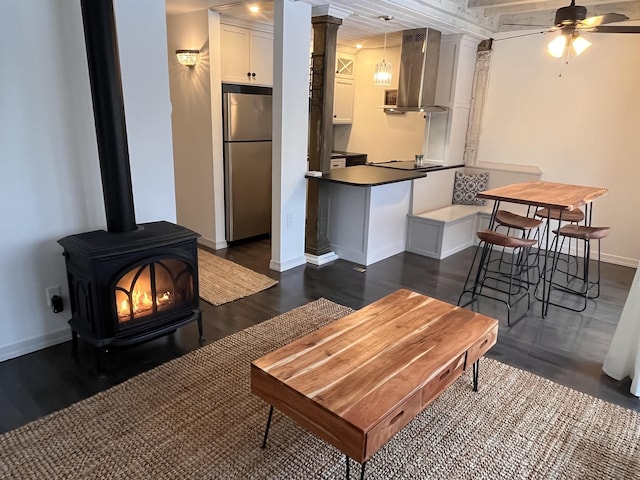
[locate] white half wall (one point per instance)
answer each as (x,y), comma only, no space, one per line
(579,128)
(50,184)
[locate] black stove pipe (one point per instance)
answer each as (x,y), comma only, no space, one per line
(108,111)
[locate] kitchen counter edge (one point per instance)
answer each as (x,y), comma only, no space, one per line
(368,176)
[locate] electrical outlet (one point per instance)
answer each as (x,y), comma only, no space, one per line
(51,291)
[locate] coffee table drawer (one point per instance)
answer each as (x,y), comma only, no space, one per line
(392,424)
(440,382)
(481,347)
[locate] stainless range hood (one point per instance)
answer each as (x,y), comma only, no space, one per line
(419,71)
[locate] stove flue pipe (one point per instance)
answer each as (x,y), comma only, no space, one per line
(108,111)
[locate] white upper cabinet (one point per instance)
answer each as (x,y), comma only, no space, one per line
(246,56)
(344,88)
(345,64)
(343,101)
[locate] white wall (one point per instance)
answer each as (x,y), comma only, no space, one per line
(397,137)
(580,128)
(290,120)
(192,124)
(142,38)
(50,182)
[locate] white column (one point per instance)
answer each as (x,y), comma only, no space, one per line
(479,96)
(291,42)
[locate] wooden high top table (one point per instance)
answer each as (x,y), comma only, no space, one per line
(551,195)
(359,380)
(545,194)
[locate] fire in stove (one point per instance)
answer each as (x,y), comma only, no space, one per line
(141,303)
(153,288)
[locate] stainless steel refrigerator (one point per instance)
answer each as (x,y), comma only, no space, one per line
(247,160)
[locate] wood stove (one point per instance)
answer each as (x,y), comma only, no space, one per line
(129,287)
(132,282)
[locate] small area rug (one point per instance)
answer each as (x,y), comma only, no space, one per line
(222,281)
(194,417)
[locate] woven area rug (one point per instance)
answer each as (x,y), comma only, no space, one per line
(222,281)
(194,417)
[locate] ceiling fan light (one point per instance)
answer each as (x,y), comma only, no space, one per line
(580,44)
(557,45)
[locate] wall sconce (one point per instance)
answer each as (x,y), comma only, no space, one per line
(188,58)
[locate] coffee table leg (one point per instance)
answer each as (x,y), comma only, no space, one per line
(266,430)
(361,468)
(476,371)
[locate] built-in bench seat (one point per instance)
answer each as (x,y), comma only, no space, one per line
(437,229)
(447,230)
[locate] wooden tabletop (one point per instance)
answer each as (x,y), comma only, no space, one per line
(545,194)
(342,380)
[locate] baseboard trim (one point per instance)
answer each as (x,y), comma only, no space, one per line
(211,244)
(321,259)
(616,260)
(289,264)
(33,344)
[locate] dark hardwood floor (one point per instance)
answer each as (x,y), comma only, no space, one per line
(566,347)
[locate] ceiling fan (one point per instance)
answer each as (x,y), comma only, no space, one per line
(574,17)
(572,20)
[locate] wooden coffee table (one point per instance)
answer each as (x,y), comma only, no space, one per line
(359,380)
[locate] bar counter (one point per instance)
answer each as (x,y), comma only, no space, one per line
(368,209)
(368,176)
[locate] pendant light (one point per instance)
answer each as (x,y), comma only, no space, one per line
(382,74)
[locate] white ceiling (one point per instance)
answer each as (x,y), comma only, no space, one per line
(481,18)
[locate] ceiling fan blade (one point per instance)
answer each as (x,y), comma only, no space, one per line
(601,20)
(525,25)
(521,35)
(616,29)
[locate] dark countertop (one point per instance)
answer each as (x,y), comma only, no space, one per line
(351,158)
(411,166)
(340,154)
(368,176)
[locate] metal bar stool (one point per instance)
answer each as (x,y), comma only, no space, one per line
(517,222)
(510,288)
(570,216)
(585,234)
(527,226)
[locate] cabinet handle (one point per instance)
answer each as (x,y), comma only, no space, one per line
(335,116)
(249,74)
(253,74)
(396,418)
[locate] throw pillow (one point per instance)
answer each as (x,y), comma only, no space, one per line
(466,186)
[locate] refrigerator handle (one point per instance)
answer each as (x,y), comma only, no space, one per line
(225,117)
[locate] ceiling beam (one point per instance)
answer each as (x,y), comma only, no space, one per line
(496,3)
